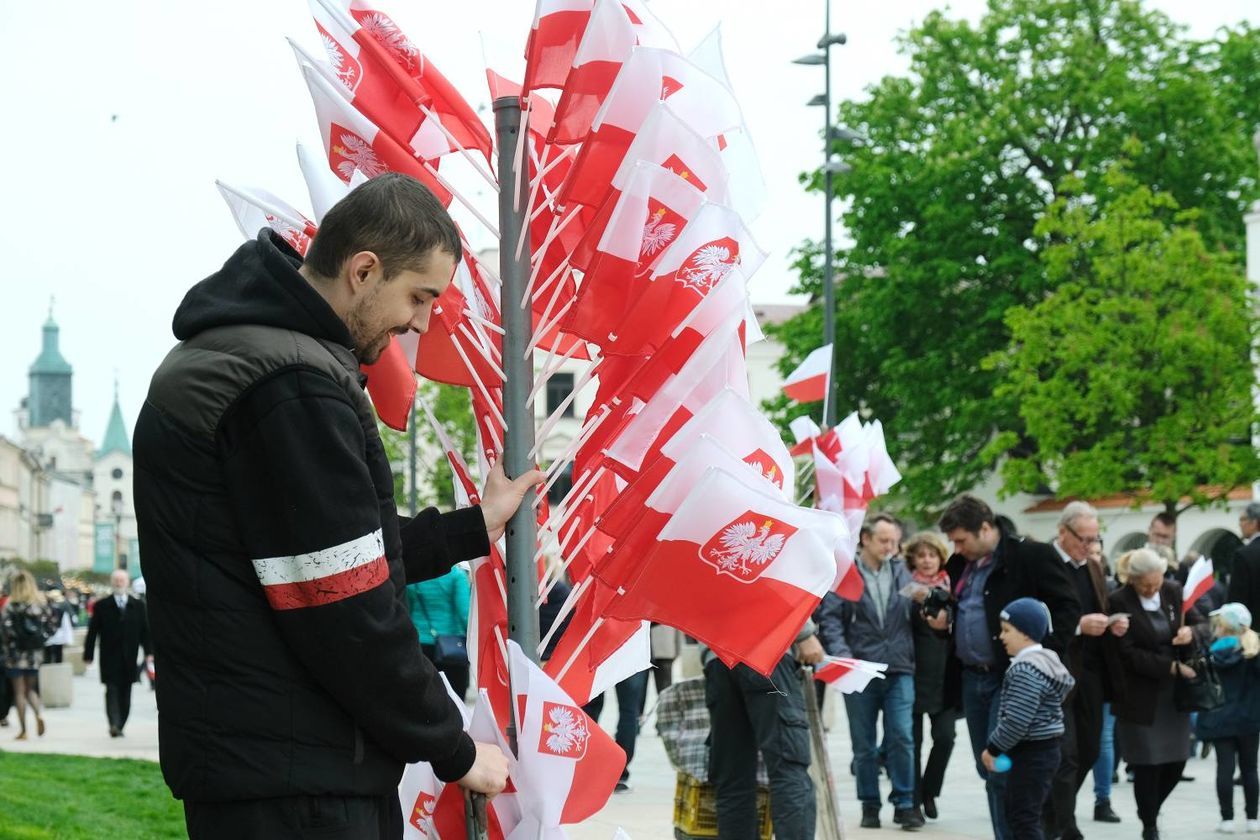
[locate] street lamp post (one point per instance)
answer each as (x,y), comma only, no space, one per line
(830,167)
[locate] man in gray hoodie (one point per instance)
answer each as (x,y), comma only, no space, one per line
(1030,716)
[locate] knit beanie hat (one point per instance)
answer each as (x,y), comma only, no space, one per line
(1029,616)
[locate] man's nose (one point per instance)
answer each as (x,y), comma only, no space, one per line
(420,323)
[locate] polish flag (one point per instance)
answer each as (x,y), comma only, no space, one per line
(567,766)
(324,576)
(706,250)
(716,364)
(882,473)
(649,76)
(595,654)
(636,519)
(849,676)
(553,41)
(808,383)
(503,812)
(1198,582)
(652,212)
(420,790)
(606,44)
(254,209)
(737,568)
(324,188)
(734,423)
(452,351)
(352,141)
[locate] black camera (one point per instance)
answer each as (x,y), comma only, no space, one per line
(937,599)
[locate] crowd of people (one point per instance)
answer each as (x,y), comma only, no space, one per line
(1061,666)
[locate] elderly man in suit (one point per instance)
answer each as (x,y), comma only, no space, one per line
(119,621)
(1244,579)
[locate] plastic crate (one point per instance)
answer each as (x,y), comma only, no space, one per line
(695,811)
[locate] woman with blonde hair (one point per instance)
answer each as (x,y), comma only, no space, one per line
(26,623)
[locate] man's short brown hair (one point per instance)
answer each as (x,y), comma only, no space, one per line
(967,512)
(392,215)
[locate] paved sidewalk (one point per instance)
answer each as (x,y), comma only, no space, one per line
(646,812)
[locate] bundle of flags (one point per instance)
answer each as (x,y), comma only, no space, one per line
(642,184)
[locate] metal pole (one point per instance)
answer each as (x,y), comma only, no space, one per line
(522,584)
(829,290)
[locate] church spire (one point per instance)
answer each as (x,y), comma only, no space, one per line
(116,432)
(50,379)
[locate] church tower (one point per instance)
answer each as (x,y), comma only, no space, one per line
(50,378)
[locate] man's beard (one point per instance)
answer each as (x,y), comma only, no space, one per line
(368,345)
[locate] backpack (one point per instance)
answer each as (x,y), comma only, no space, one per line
(31,630)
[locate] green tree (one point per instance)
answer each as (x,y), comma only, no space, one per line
(964,156)
(452,408)
(1135,375)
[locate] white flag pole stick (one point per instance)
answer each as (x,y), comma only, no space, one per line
(567,607)
(480,386)
(432,170)
(556,415)
(488,356)
(577,491)
(533,190)
(472,159)
(518,157)
(590,634)
(549,371)
(485,347)
(536,261)
(564,567)
(488,324)
(546,328)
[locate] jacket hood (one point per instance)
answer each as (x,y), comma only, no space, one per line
(259,285)
(1047,662)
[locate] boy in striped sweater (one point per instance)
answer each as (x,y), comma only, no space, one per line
(1030,715)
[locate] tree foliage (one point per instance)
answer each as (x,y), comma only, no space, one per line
(964,157)
(1135,375)
(452,408)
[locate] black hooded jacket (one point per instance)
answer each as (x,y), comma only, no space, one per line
(275,558)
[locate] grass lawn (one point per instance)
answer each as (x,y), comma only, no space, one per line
(66,797)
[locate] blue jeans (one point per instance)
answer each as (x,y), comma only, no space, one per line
(894,696)
(980,707)
(1105,766)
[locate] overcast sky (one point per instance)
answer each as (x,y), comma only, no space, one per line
(120,115)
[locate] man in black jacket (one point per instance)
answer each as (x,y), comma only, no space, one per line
(292,689)
(988,571)
(119,621)
(1244,577)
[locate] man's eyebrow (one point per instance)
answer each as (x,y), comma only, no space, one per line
(431,291)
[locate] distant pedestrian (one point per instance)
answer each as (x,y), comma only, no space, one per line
(119,621)
(1234,728)
(439,611)
(64,633)
(26,622)
(1030,715)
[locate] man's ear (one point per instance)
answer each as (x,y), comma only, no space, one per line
(360,269)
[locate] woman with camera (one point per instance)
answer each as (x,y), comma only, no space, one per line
(925,557)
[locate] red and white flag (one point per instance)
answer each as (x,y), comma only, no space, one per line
(254,209)
(1198,582)
(553,41)
(391,384)
(810,380)
(648,77)
(736,568)
(606,43)
(849,676)
(595,654)
(566,766)
(734,423)
(352,142)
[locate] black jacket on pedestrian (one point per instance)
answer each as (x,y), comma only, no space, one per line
(275,558)
(1024,569)
(1244,579)
(1142,662)
(122,634)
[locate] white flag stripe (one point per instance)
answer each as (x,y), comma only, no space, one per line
(326,562)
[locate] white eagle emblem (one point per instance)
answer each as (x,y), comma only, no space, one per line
(385,32)
(743,549)
(346,68)
(351,152)
(564,731)
(657,234)
(296,238)
(706,267)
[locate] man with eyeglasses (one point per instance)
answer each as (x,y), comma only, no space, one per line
(1078,534)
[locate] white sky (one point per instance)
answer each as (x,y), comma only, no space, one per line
(120,115)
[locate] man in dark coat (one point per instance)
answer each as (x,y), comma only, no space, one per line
(123,627)
(1244,579)
(292,691)
(989,570)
